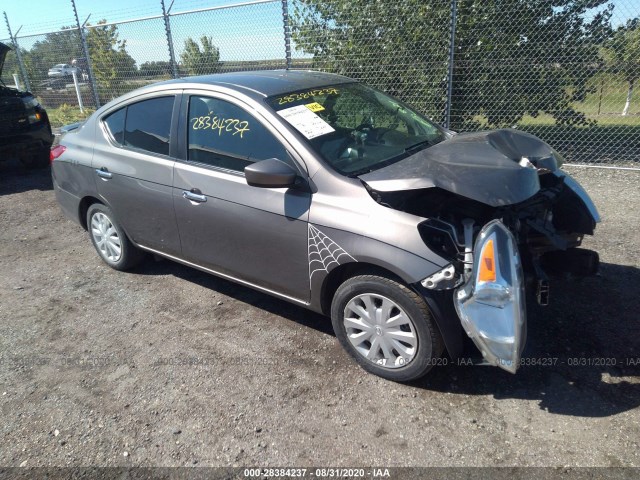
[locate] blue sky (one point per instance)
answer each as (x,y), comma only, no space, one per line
(244,33)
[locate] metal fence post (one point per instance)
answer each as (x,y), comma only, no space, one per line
(167,28)
(85,49)
(452,46)
(14,40)
(287,32)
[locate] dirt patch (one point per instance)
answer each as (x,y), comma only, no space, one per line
(175,367)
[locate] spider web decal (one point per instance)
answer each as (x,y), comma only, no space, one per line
(324,252)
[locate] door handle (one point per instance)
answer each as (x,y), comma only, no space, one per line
(104,173)
(194,197)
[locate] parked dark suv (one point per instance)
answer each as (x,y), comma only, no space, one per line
(25,131)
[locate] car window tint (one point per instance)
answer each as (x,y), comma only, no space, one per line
(226,136)
(148,125)
(115,125)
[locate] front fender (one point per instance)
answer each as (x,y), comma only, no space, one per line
(329,248)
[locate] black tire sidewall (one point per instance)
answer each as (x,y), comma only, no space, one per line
(412,305)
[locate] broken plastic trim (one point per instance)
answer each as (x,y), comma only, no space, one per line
(493,312)
(444,279)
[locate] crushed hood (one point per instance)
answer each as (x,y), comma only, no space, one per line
(498,167)
(3,54)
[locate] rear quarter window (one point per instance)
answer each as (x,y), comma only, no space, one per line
(115,125)
(144,125)
(148,125)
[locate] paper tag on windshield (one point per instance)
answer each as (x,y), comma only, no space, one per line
(314,107)
(305,121)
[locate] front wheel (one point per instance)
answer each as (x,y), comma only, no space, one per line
(386,327)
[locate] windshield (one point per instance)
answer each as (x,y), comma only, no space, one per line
(356,129)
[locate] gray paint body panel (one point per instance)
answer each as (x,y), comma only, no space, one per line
(139,192)
(256,234)
(483,166)
(286,241)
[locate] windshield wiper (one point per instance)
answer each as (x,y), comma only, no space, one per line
(362,171)
(416,146)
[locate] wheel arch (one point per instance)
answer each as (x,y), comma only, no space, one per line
(341,273)
(83,208)
(440,303)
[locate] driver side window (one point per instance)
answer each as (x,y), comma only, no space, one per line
(226,136)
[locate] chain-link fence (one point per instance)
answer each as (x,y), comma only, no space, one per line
(562,70)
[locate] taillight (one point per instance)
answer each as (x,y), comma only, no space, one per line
(56,152)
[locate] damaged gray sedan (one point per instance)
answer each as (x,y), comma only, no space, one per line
(329,194)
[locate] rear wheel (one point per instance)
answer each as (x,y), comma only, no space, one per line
(386,327)
(109,239)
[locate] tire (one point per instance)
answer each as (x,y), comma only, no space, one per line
(106,233)
(38,159)
(408,319)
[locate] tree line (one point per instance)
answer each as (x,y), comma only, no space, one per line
(512,57)
(111,64)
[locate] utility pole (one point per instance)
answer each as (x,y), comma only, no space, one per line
(85,49)
(287,32)
(452,47)
(167,29)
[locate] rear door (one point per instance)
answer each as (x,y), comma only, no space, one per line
(256,235)
(133,162)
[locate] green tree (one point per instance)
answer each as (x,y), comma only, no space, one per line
(397,46)
(54,48)
(512,57)
(111,63)
(156,69)
(199,62)
(621,56)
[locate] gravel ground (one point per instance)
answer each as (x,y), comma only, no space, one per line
(168,366)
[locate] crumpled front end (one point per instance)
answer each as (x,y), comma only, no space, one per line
(491,303)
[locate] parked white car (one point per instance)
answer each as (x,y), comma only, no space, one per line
(61,70)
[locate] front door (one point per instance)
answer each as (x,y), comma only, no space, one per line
(256,235)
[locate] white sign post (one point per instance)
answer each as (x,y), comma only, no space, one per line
(75,82)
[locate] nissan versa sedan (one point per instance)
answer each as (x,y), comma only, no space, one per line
(324,192)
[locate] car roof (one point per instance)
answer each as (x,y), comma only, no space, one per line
(264,82)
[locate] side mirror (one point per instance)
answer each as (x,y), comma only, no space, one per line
(270,173)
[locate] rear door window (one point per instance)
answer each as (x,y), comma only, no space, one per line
(148,125)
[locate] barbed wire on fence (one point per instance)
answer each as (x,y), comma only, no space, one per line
(566,72)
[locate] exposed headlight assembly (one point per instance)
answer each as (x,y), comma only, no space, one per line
(491,304)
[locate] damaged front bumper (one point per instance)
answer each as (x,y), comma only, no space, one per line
(491,303)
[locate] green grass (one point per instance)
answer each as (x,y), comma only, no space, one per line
(66,114)
(609,97)
(595,144)
(613,139)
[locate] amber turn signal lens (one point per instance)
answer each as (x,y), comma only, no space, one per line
(487,263)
